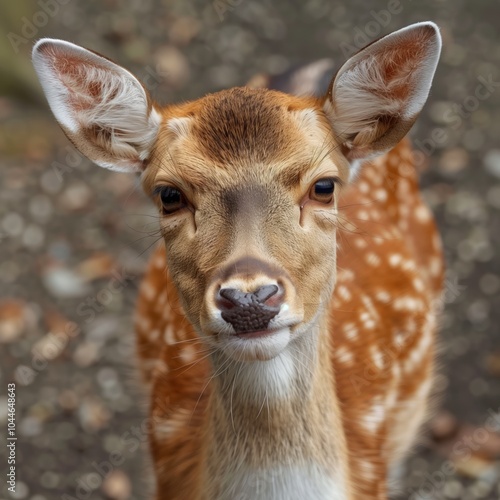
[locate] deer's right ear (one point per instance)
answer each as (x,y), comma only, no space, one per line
(379,92)
(102,108)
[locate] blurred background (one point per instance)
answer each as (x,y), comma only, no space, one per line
(74,238)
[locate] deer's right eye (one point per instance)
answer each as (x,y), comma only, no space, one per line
(323,190)
(172,199)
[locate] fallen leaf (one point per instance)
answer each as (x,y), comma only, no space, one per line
(99,265)
(12,320)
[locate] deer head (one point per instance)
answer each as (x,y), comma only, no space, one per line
(246,180)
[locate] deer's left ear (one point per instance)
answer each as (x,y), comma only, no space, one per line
(377,94)
(104,109)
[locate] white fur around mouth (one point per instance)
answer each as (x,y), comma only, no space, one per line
(256,346)
(256,334)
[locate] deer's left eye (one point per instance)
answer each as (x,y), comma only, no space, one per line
(323,190)
(172,199)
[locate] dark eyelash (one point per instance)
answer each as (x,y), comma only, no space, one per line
(157,190)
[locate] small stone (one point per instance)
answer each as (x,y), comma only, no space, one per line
(76,197)
(480,489)
(12,224)
(68,400)
(30,426)
(103,328)
(51,182)
(439,111)
(112,443)
(87,353)
(33,237)
(93,414)
(183,30)
(444,426)
(473,140)
(492,162)
(107,378)
(22,490)
(454,160)
(478,311)
(137,50)
(120,184)
(41,208)
(453,489)
(171,67)
(24,375)
(50,346)
(64,283)
(50,480)
(117,485)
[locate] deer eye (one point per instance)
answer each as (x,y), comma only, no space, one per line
(323,190)
(172,199)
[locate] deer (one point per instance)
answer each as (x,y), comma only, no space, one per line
(286,325)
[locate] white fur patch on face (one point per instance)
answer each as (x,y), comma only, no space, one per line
(283,483)
(179,126)
(319,138)
(307,120)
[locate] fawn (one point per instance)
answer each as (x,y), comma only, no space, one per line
(286,327)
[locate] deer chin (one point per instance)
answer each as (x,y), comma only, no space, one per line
(263,345)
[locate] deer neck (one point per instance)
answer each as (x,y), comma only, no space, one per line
(274,427)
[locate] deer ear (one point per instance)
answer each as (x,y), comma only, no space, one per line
(102,108)
(377,94)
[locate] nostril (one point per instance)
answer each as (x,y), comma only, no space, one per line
(226,299)
(224,304)
(265,292)
(271,295)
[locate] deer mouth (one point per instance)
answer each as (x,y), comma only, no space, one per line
(261,345)
(257,334)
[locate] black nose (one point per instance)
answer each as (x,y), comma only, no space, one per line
(248,312)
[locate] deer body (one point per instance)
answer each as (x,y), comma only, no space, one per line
(286,328)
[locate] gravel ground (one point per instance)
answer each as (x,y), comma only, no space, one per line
(74,238)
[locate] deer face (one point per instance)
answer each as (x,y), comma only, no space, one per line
(246,181)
